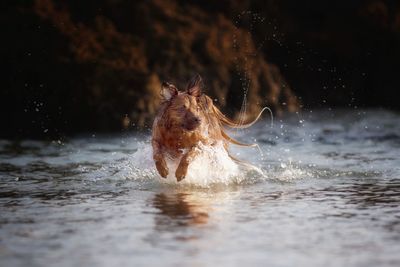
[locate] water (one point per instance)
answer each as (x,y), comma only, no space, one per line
(328,194)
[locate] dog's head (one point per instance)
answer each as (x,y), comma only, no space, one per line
(185,110)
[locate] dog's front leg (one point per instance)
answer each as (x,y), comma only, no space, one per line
(159,159)
(181,171)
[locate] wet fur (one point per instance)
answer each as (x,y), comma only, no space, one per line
(184,120)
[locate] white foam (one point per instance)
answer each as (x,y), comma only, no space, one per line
(212,166)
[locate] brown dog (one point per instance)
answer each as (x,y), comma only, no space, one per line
(184,120)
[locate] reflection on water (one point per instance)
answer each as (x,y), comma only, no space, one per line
(179,210)
(175,216)
(329,196)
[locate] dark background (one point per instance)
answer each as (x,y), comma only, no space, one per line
(95,66)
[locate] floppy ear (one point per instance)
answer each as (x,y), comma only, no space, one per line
(168,91)
(195,86)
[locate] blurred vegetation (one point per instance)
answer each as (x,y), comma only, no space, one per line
(79,66)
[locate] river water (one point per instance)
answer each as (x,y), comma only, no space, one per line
(326,192)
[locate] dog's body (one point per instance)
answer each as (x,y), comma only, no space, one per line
(184,120)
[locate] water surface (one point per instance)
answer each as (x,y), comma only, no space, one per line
(329,194)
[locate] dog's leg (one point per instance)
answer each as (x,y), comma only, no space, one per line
(159,159)
(181,171)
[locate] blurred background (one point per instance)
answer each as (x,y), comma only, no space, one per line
(71,67)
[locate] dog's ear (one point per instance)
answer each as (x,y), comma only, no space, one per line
(195,86)
(168,91)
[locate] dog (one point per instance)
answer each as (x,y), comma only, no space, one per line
(184,120)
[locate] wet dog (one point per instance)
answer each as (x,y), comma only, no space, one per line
(184,120)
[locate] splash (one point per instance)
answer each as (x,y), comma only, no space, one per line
(250,20)
(212,167)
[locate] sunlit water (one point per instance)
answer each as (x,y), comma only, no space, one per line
(326,193)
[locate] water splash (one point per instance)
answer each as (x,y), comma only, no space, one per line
(250,20)
(212,167)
